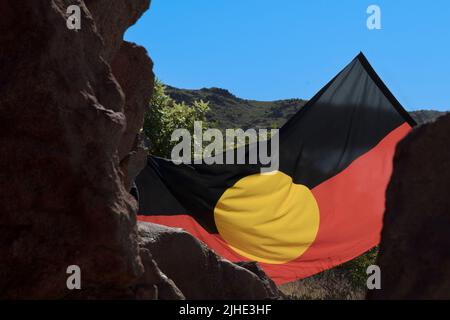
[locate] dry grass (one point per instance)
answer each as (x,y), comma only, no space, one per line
(345,282)
(332,284)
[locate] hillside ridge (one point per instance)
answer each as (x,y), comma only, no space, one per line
(230,111)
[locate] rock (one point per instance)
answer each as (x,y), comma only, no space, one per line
(415,247)
(113,17)
(268,283)
(72,105)
(132,164)
(154,285)
(203,274)
(67,124)
(135,84)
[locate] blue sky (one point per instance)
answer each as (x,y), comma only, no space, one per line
(267,50)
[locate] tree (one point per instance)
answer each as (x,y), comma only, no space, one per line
(165,115)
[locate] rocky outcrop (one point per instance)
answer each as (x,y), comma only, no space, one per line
(198,272)
(136,86)
(415,248)
(70,106)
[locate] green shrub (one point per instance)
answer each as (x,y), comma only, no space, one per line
(357,267)
(165,115)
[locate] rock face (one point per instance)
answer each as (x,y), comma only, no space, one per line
(198,272)
(71,106)
(68,121)
(136,86)
(415,247)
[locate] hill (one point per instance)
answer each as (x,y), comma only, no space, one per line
(229,111)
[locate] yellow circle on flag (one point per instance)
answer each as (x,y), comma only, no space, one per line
(268,218)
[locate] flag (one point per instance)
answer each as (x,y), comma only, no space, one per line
(322,207)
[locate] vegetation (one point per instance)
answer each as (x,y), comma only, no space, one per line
(165,115)
(344,282)
(357,267)
(228,111)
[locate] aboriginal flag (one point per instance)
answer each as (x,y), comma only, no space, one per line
(324,206)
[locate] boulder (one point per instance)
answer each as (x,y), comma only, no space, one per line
(198,272)
(415,247)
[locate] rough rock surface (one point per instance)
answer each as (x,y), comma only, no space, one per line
(71,106)
(154,284)
(66,125)
(198,272)
(136,86)
(415,248)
